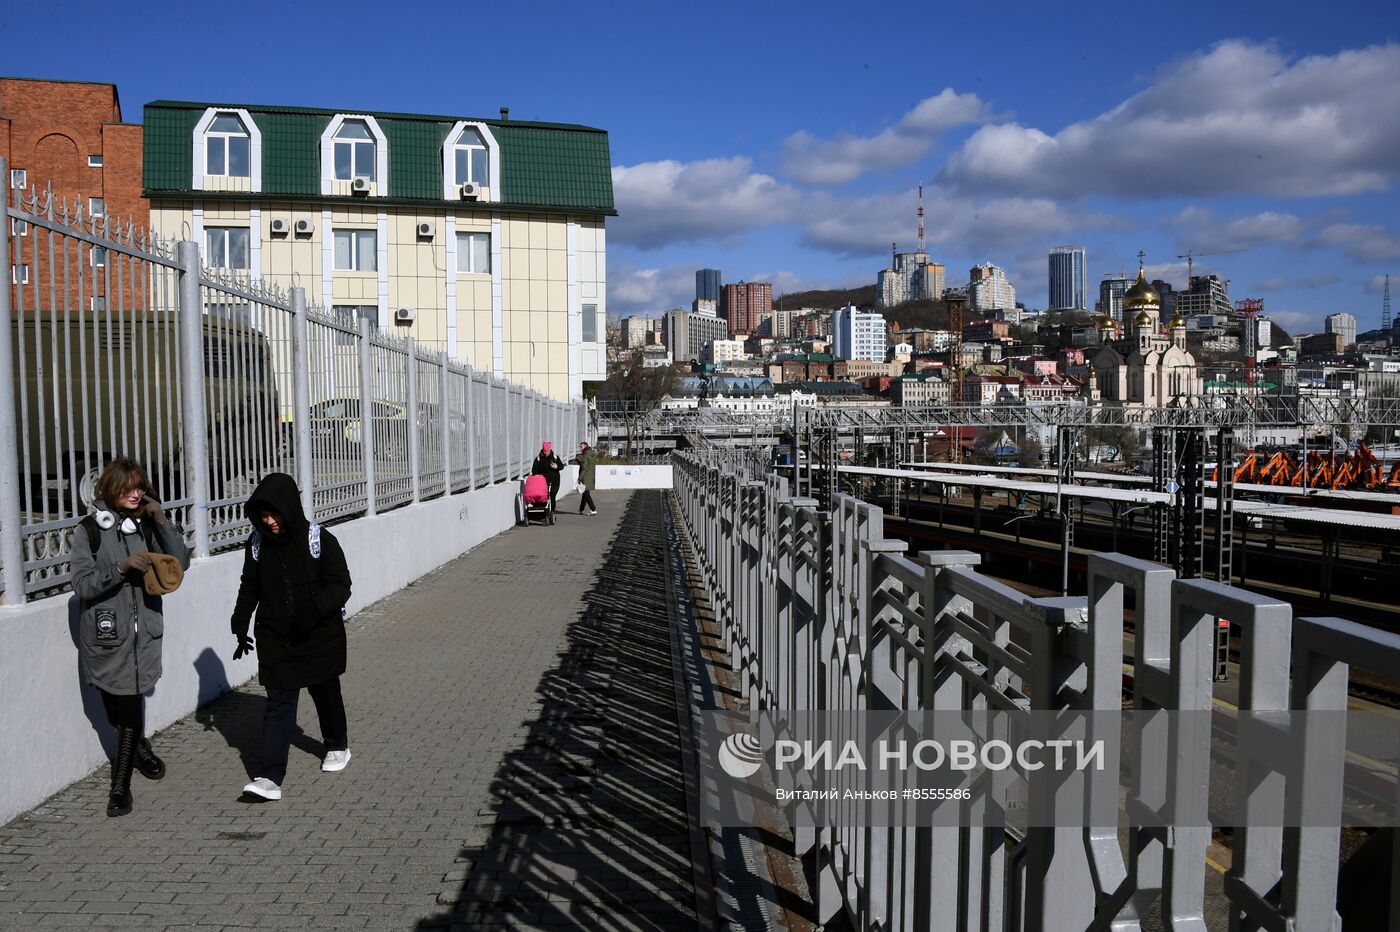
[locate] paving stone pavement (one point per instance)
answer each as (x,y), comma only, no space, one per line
(515,764)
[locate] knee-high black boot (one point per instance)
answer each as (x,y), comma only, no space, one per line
(119,802)
(151,766)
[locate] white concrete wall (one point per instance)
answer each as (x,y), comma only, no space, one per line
(53,729)
(619,476)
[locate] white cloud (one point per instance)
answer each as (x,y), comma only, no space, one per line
(649,291)
(866,226)
(1238,118)
(670,202)
(1295,322)
(1284,283)
(1201,232)
(844,156)
(1376,285)
(1362,242)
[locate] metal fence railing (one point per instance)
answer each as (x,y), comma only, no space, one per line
(821,612)
(113,343)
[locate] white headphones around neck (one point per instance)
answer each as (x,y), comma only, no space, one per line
(105,520)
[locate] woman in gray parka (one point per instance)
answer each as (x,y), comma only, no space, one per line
(120,625)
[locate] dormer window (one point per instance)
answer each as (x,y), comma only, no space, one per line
(227,151)
(471,163)
(472,158)
(354,151)
(227,148)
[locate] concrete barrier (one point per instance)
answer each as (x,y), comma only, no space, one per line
(54,731)
(626,476)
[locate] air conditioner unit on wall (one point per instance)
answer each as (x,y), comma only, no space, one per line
(425,230)
(360,186)
(279,226)
(471,191)
(405,315)
(305,228)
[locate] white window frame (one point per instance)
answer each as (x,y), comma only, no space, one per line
(355,233)
(381,152)
(93,212)
(94,253)
(19,274)
(201,154)
(451,183)
(19,227)
(228,252)
(19,179)
(94,161)
(226,139)
(464,256)
(353,144)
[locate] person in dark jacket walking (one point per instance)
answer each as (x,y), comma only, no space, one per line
(295,576)
(548,464)
(120,625)
(587,463)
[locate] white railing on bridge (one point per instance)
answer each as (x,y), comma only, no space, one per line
(821,612)
(116,343)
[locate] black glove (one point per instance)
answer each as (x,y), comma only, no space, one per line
(245,647)
(151,509)
(136,563)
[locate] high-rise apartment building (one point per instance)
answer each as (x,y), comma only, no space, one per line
(858,335)
(988,288)
(1342,324)
(70,135)
(912,277)
(1209,294)
(707,284)
(635,330)
(1111,291)
(1067,279)
(744,303)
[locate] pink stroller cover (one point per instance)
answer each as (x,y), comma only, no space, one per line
(536,490)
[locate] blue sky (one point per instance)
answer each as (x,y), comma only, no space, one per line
(784,141)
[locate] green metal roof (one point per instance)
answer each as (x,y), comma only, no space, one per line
(548,166)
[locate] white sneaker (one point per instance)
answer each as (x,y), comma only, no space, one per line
(263,787)
(335,761)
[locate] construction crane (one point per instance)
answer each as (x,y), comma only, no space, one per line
(1191,255)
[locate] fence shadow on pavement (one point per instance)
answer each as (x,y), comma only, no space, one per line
(588,817)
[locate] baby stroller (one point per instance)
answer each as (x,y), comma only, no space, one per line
(537,500)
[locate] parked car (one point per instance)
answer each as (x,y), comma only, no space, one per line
(337,428)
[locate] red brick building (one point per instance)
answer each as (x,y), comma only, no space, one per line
(743,303)
(69,134)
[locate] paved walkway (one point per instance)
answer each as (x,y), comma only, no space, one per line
(513,724)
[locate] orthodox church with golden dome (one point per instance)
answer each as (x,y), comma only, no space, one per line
(1150,367)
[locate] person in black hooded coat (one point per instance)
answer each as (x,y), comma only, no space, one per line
(298,594)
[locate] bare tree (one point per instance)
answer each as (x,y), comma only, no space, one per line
(638,390)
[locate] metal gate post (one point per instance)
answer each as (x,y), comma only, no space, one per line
(11,534)
(445,412)
(366,404)
(413,464)
(195,434)
(471,429)
(490,429)
(301,402)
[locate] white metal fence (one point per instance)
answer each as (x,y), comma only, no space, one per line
(115,343)
(821,612)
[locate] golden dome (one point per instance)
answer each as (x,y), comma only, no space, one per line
(1144,319)
(1106,322)
(1141,294)
(1178,320)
